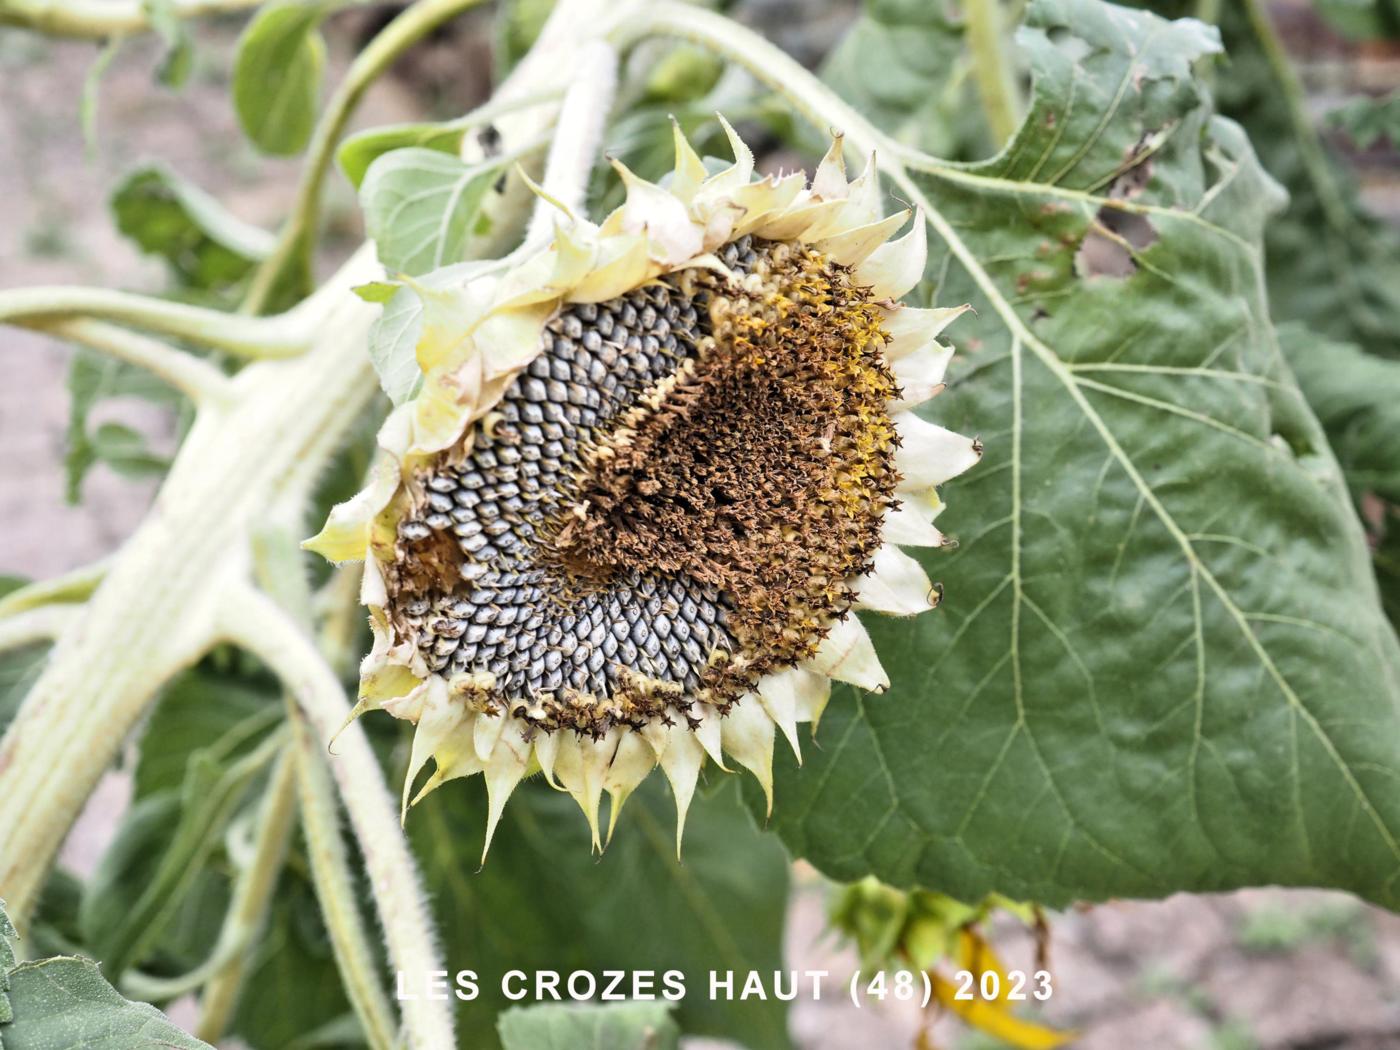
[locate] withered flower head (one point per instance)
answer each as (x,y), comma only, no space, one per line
(647,478)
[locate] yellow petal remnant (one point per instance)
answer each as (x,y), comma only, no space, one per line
(650,472)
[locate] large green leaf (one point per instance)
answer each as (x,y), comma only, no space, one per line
(543,902)
(1161,664)
(619,1026)
(64,1003)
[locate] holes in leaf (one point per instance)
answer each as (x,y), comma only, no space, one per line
(1108,248)
(1117,234)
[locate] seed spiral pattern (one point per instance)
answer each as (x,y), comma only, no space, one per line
(586,558)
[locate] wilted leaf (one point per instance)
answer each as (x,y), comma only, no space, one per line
(422,206)
(543,902)
(617,1026)
(206,246)
(1160,664)
(277,75)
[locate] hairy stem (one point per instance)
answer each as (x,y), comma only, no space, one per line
(251,337)
(252,897)
(197,379)
(279,570)
(294,242)
(43,624)
(252,620)
(155,611)
(575,147)
(335,889)
(991,67)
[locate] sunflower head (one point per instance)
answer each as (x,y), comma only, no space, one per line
(647,477)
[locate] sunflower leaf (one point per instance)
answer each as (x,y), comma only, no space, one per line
(422,206)
(1161,663)
(205,246)
(277,75)
(65,1003)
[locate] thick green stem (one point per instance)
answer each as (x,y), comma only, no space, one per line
(279,570)
(991,67)
(298,233)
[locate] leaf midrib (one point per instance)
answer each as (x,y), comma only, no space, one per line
(1058,369)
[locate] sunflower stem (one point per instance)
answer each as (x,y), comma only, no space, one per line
(249,337)
(991,65)
(574,150)
(43,624)
(75,586)
(279,570)
(255,622)
(283,422)
(252,897)
(197,379)
(335,889)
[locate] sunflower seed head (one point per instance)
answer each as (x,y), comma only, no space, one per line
(671,499)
